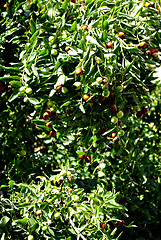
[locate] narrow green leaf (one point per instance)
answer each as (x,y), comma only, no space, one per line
(34,101)
(11,184)
(106,25)
(89,1)
(15,83)
(66,104)
(22,221)
(4,221)
(32,26)
(70,212)
(34,36)
(80,152)
(9,78)
(57,65)
(34,227)
(65,4)
(109,131)
(11,69)
(34,70)
(74,26)
(13,96)
(82,108)
(3,237)
(104,35)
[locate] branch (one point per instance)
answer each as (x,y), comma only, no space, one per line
(76,230)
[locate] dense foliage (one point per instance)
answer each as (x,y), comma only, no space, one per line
(80,119)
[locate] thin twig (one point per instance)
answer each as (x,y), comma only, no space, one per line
(77,231)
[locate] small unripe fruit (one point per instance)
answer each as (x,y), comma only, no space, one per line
(28,90)
(79,71)
(22,89)
(109,45)
(77,85)
(20,136)
(57,215)
(99,79)
(27,45)
(51,39)
(44,228)
(114,120)
(119,89)
(105,87)
(64,90)
(121,34)
(38,212)
(106,93)
(21,94)
(30,237)
(22,152)
(85,97)
(119,114)
(88,159)
(25,99)
(54,45)
(50,103)
(54,52)
(75,198)
(52,133)
(84,27)
(121,132)
(46,115)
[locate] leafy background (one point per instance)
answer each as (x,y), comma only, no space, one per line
(48,191)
